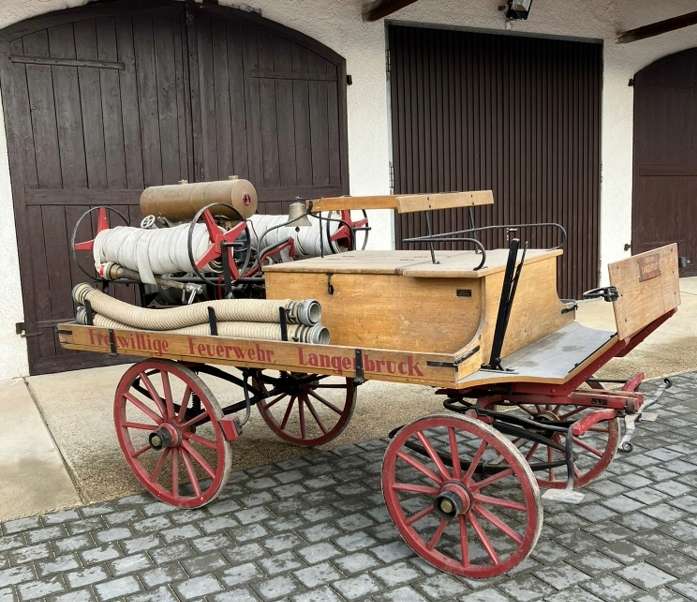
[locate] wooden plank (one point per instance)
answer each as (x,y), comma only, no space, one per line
(318,133)
(222,115)
(82,196)
(382,364)
(303,141)
(269,134)
(649,287)
(67,62)
(236,94)
(406,203)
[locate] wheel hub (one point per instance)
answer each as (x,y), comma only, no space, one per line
(453,500)
(165,436)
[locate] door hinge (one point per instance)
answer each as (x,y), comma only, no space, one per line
(20,329)
(391,177)
(388,61)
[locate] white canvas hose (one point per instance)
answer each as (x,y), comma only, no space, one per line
(150,252)
(299,333)
(307,240)
(307,312)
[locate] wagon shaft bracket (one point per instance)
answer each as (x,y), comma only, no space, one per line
(630,420)
(359,379)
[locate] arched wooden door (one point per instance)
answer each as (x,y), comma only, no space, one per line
(664,200)
(104,100)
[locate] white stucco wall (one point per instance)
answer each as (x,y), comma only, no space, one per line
(338,24)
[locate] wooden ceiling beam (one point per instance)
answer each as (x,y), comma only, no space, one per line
(383,8)
(655,29)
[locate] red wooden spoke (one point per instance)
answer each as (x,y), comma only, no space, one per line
(475,461)
(572,413)
(479,485)
(195,420)
(175,472)
(200,440)
(454,454)
(532,450)
(275,401)
(154,395)
(438,533)
(417,516)
(184,404)
(413,488)
(496,501)
(142,450)
(434,456)
(289,408)
(484,539)
(139,426)
(549,461)
(414,463)
(143,408)
(590,448)
(315,415)
(199,459)
(167,390)
(193,479)
(157,469)
(325,402)
(464,543)
(301,415)
(499,524)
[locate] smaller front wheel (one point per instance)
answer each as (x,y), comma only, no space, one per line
(461,495)
(167,424)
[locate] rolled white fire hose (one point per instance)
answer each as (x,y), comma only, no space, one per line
(150,252)
(307,311)
(300,333)
(265,229)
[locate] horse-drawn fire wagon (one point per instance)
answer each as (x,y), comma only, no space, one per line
(305,314)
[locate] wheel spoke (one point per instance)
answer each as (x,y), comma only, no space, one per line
(286,416)
(588,448)
(175,472)
(464,544)
(186,397)
(475,461)
(195,420)
(479,485)
(315,415)
(142,450)
(433,542)
(193,479)
(532,450)
(499,524)
(167,388)
(301,415)
(414,463)
(454,453)
(576,411)
(275,401)
(157,469)
(138,426)
(200,440)
(154,395)
(199,459)
(412,488)
(486,543)
(549,461)
(497,501)
(434,456)
(325,402)
(143,408)
(417,516)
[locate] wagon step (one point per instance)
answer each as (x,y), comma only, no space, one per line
(630,420)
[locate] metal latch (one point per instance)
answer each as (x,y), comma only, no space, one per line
(20,329)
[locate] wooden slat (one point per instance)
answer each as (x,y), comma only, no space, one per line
(407,203)
(649,288)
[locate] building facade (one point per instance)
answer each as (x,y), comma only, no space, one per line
(364,154)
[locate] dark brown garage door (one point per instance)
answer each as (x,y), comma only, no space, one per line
(664,201)
(518,115)
(102,101)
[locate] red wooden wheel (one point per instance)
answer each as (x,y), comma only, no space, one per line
(450,507)
(167,424)
(593,452)
(305,409)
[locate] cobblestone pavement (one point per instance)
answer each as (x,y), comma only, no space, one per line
(315,529)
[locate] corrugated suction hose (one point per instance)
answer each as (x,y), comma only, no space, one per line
(307,312)
(300,333)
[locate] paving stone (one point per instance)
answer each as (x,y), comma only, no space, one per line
(86,576)
(59,564)
(16,574)
(161,594)
(561,575)
(318,552)
(41,588)
(358,540)
(317,575)
(140,544)
(117,587)
(238,594)
(645,575)
(353,588)
(240,574)
(74,543)
(321,594)
(320,532)
(129,564)
(356,563)
(114,534)
(526,587)
(21,524)
(441,587)
(280,563)
(611,587)
(277,587)
(166,573)
(396,574)
(100,554)
(28,553)
(204,564)
(198,586)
